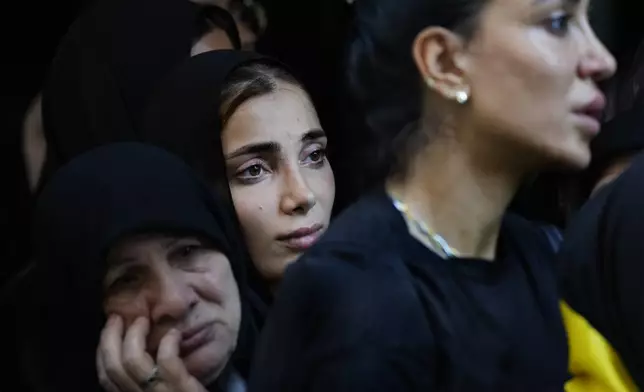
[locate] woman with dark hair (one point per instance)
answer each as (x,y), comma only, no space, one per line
(427,283)
(248,126)
(129,235)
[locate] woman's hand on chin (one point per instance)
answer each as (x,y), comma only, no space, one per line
(123,364)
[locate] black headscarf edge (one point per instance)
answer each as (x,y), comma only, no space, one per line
(59,279)
(183,117)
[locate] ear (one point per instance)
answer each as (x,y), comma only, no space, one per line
(440,58)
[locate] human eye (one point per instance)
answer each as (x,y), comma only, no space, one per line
(127,280)
(252,172)
(315,156)
(558,23)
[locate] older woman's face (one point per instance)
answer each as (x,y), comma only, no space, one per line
(177,283)
(532,68)
(280,179)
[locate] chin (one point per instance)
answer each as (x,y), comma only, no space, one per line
(578,162)
(207,362)
(575,158)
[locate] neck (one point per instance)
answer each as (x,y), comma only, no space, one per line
(460,194)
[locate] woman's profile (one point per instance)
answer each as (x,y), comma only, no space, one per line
(426,283)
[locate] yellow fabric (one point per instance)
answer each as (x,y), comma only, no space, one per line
(594,364)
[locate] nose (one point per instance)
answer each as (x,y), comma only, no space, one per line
(297,197)
(597,62)
(172,298)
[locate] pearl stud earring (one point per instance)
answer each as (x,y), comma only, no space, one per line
(462,97)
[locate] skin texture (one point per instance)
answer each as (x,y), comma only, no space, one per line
(159,290)
(531,71)
(286,182)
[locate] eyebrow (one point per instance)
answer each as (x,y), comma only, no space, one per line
(569,3)
(119,262)
(273,147)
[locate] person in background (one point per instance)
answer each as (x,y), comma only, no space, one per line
(598,267)
(134,251)
(99,80)
(427,283)
(600,260)
(249,127)
(108,64)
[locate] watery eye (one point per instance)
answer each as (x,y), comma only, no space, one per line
(254,171)
(316,156)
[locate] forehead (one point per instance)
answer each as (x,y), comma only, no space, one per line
(520,6)
(135,243)
(283,116)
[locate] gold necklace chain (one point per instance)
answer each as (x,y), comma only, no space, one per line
(435,241)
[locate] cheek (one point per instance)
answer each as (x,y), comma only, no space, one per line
(217,285)
(524,84)
(129,308)
(256,208)
(322,183)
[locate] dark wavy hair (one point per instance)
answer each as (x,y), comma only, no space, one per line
(383,77)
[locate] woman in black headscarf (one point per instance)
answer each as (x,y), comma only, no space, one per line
(249,127)
(128,234)
(109,62)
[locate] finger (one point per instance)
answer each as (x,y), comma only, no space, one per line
(171,366)
(103,379)
(110,351)
(170,363)
(137,362)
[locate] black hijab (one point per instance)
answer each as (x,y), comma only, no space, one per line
(108,64)
(95,200)
(603,269)
(184,118)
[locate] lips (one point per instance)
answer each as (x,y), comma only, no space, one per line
(194,338)
(589,116)
(302,238)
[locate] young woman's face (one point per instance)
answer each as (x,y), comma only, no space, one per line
(177,283)
(532,68)
(280,179)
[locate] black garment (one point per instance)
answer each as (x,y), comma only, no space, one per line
(91,203)
(108,65)
(184,118)
(183,114)
(602,268)
(370,308)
